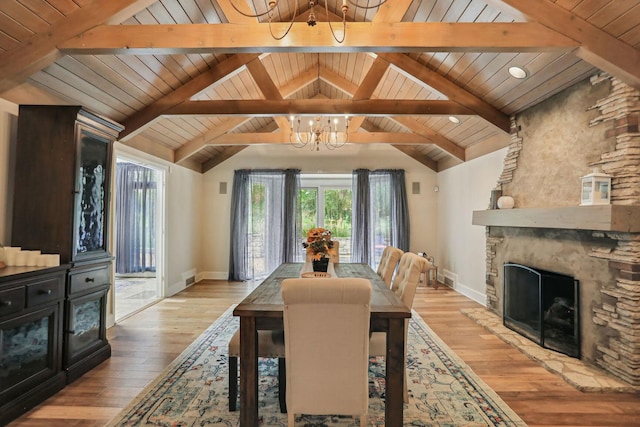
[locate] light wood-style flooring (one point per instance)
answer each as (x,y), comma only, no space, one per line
(144,344)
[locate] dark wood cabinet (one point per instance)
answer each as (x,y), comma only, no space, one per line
(61,206)
(31,307)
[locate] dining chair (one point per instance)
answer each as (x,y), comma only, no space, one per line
(388,263)
(270,345)
(405,283)
(326,329)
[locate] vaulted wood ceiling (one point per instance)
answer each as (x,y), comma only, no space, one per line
(195,82)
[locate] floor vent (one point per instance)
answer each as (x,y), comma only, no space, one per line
(190,280)
(450,279)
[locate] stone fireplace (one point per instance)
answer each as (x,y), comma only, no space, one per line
(593,124)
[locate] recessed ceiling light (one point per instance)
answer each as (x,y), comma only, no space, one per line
(518,72)
(454,119)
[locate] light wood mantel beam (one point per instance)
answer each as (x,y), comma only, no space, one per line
(361,37)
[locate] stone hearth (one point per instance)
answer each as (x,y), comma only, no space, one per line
(576,372)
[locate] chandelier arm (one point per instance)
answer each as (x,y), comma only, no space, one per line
(344,23)
(250,15)
(356,4)
(293,18)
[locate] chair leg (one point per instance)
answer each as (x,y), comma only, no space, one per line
(363,420)
(233,382)
(282,384)
(292,419)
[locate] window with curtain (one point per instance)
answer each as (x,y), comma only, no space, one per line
(265,222)
(136,203)
(380,214)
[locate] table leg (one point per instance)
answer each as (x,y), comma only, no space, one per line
(248,372)
(395,373)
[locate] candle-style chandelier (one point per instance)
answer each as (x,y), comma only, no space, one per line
(273,10)
(332,132)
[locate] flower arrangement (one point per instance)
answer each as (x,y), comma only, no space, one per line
(318,243)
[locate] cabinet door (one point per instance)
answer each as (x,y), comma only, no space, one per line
(85,326)
(92,194)
(29,351)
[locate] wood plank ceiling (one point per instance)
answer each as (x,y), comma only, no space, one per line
(195,82)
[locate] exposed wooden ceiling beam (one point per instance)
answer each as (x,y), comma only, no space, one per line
(443,143)
(596,46)
(196,144)
(267,87)
(371,80)
(418,156)
(227,153)
(261,138)
(361,37)
(40,50)
(137,121)
(369,107)
(449,89)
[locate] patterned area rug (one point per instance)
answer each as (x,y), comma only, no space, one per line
(193,390)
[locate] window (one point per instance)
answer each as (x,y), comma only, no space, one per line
(325,201)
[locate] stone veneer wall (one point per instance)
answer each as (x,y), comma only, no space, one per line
(593,124)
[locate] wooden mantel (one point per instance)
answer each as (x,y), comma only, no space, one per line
(597,218)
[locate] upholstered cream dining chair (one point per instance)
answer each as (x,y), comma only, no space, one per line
(326,328)
(270,345)
(404,285)
(388,263)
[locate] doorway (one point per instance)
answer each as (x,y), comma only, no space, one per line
(138,243)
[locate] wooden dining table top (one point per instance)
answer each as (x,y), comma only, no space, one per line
(266,299)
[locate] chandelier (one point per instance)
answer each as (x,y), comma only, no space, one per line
(273,7)
(333,133)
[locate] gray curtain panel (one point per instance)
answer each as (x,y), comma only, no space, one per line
(380,214)
(264,221)
(136,201)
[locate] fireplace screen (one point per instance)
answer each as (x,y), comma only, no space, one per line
(542,306)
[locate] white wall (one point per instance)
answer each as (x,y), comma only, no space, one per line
(461,245)
(423,213)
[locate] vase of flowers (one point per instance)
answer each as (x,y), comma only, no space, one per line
(317,246)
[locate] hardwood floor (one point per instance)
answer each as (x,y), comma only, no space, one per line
(144,344)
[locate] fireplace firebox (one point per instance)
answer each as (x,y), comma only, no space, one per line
(543,306)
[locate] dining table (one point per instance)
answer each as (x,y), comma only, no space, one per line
(263,308)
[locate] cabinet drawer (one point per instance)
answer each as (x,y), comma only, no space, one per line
(11,300)
(89,279)
(44,291)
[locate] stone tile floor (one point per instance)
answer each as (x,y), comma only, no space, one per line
(133,294)
(577,373)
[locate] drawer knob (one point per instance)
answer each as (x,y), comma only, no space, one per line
(6,303)
(89,279)
(44,291)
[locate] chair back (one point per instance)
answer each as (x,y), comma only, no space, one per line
(388,263)
(410,267)
(326,327)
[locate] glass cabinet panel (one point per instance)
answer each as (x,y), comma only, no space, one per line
(85,327)
(27,351)
(91,215)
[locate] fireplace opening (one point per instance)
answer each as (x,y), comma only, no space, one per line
(542,306)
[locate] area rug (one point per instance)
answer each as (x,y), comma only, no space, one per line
(193,390)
